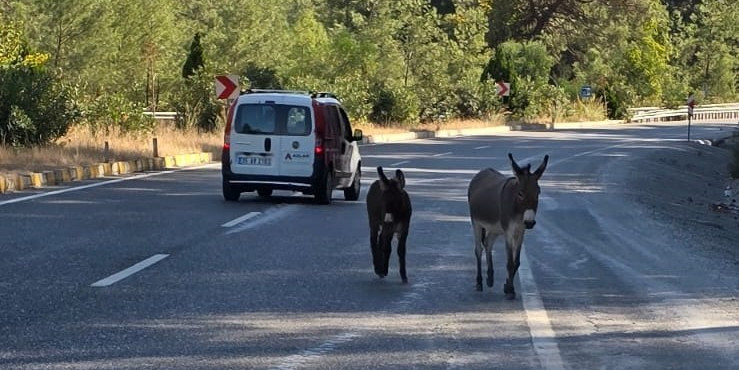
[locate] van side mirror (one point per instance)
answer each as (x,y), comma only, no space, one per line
(357,135)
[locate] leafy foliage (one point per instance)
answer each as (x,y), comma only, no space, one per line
(35,107)
(389,61)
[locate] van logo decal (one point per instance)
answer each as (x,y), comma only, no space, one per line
(296,145)
(297,156)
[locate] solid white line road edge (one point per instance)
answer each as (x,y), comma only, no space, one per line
(83,187)
(112,279)
(542,335)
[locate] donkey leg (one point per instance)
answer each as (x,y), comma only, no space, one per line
(514,261)
(402,236)
(386,246)
(376,254)
(489,243)
(478,231)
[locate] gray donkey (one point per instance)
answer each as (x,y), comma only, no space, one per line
(502,205)
(389,213)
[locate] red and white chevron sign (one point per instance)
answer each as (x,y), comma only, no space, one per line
(227,86)
(503,88)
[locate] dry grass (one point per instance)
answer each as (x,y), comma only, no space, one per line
(588,110)
(81,147)
(374,129)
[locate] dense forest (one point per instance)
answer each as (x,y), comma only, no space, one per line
(101,63)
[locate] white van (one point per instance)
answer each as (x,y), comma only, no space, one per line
(289,140)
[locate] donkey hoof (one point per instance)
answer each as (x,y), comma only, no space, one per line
(478,287)
(405,280)
(508,289)
(381,276)
(490,283)
(510,296)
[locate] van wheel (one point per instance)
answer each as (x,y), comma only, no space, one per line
(324,191)
(352,192)
(230,192)
(264,193)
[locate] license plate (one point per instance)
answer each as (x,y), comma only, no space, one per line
(255,161)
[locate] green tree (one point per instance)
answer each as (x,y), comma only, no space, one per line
(194,60)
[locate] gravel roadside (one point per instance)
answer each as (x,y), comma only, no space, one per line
(683,186)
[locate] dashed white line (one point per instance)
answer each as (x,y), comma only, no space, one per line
(112,279)
(312,354)
(398,163)
(241,219)
(269,215)
(441,154)
(482,147)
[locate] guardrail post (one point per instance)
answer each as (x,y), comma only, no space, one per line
(106,153)
(155,147)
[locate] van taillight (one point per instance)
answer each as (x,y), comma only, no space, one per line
(227,131)
(319,146)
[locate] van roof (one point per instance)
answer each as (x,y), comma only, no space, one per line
(287,96)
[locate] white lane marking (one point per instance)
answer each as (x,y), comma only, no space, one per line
(315,353)
(241,219)
(428,170)
(112,279)
(268,215)
(83,187)
(482,147)
(295,361)
(398,163)
(440,154)
(542,335)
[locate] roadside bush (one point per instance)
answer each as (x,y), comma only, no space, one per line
(618,99)
(115,111)
(393,105)
(593,109)
(196,105)
(35,108)
(554,102)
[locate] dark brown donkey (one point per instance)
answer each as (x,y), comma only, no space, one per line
(389,212)
(502,205)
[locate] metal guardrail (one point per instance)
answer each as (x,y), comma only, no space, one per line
(639,115)
(164,116)
(705,112)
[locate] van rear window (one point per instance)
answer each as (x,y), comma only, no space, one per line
(273,119)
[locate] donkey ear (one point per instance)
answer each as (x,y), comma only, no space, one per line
(384,182)
(400,177)
(516,169)
(543,166)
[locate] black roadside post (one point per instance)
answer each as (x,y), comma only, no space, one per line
(691,104)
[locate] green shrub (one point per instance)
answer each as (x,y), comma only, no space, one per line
(393,105)
(196,105)
(116,111)
(35,108)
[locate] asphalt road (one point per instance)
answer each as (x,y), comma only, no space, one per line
(283,283)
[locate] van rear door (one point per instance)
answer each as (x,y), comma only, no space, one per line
(255,140)
(297,146)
